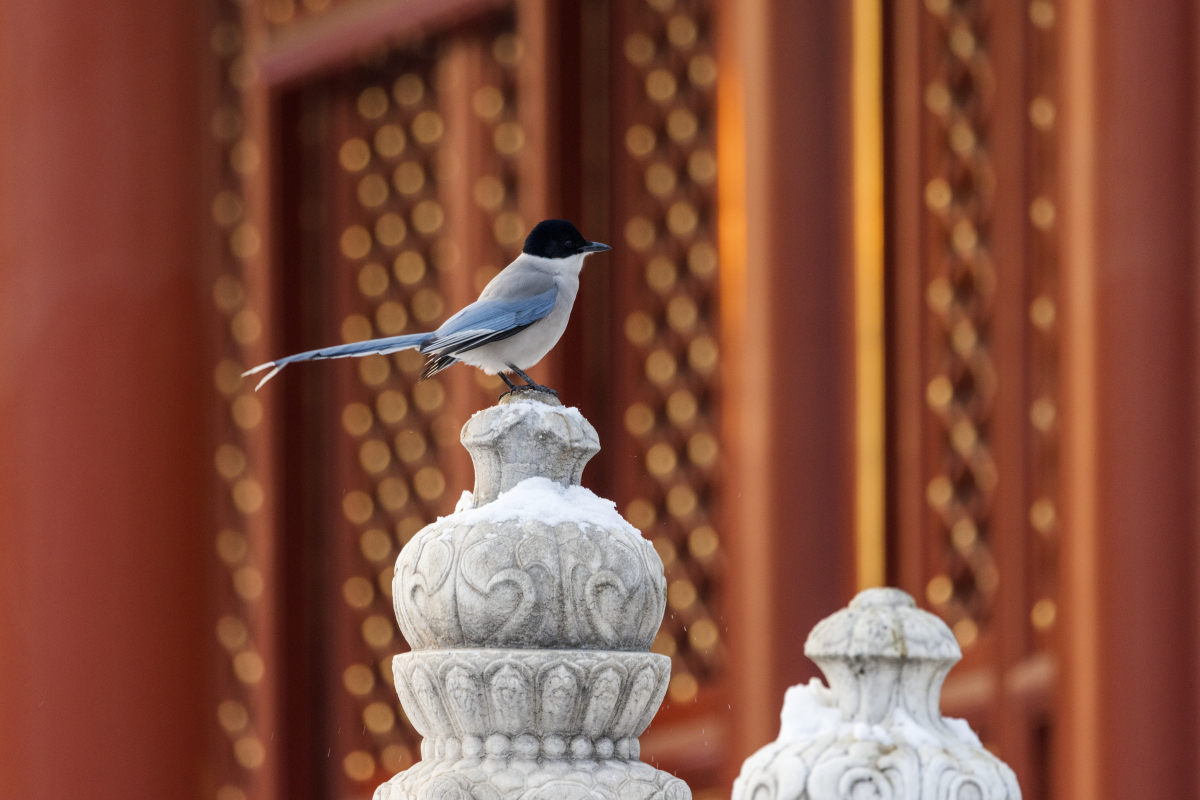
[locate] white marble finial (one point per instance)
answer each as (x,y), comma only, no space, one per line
(530,612)
(876,731)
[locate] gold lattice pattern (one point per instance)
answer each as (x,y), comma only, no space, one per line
(399,250)
(241,695)
(673,324)
(1043,360)
(960,297)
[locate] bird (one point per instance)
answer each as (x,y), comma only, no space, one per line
(519,316)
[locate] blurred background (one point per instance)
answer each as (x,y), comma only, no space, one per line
(901,292)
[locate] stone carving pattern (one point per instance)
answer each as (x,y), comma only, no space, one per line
(530,675)
(600,700)
(533,586)
(876,731)
(527,583)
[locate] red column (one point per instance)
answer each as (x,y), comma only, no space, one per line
(787,311)
(104,461)
(1130,561)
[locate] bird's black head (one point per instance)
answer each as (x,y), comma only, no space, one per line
(558,238)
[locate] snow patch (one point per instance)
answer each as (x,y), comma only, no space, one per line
(808,713)
(548,502)
(910,731)
(516,410)
(962,730)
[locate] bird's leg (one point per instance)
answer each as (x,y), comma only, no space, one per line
(532,384)
(528,381)
(511,387)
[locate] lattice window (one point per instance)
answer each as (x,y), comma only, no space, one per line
(668,310)
(411,136)
(241,627)
(960,293)
(1042,272)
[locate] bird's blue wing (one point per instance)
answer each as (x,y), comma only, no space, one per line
(479,323)
(489,320)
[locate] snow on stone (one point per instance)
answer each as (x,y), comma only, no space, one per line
(808,713)
(546,501)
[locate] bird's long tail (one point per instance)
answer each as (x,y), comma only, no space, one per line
(391,344)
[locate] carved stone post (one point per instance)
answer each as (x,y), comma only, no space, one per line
(876,732)
(530,612)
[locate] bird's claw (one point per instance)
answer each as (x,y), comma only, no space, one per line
(537,387)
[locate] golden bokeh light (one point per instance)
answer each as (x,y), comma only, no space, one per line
(232,633)
(374,369)
(248,495)
(359,765)
(372,102)
(428,395)
(429,483)
(508,138)
(372,279)
(391,406)
(248,583)
(640,140)
(232,716)
(427,127)
(393,493)
(966,631)
(355,328)
(248,666)
(703,542)
(358,506)
(641,514)
(232,547)
(665,549)
(375,544)
(681,594)
(358,592)
(379,717)
(377,631)
(358,679)
(354,155)
(639,419)
(408,89)
(682,31)
(249,752)
(372,191)
(390,141)
(939,590)
(664,644)
(703,634)
(488,102)
(639,49)
(682,500)
(683,688)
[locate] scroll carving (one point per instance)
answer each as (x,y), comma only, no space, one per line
(876,731)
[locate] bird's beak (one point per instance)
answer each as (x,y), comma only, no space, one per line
(595,247)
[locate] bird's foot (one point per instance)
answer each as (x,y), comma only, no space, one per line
(535,387)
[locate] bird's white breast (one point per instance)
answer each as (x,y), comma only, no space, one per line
(531,345)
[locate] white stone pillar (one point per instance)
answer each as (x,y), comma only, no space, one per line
(876,731)
(530,612)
